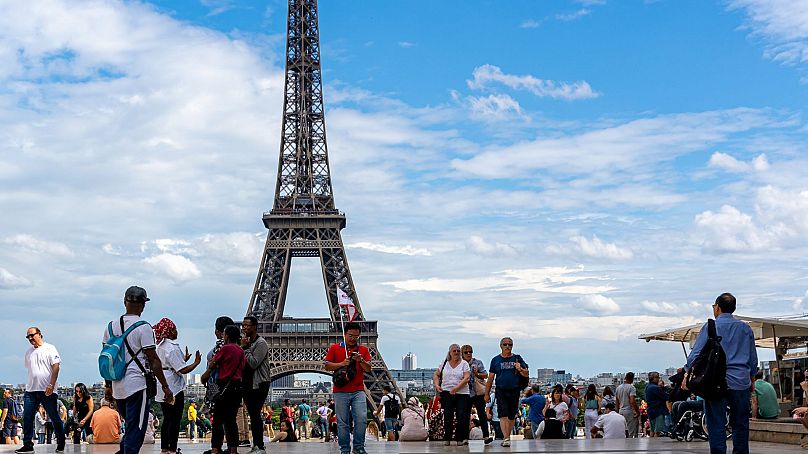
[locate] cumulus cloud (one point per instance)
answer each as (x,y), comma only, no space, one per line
(781,218)
(406,44)
(389,249)
(176,267)
(487,75)
(478,245)
(599,304)
(729,163)
(798,304)
(38,246)
(9,281)
(600,249)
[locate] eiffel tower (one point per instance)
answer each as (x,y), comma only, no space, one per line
(304,222)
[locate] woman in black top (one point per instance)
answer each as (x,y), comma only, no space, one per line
(82,412)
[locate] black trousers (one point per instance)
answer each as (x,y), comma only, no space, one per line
(254,401)
(170,430)
(224,419)
(478,402)
(455,406)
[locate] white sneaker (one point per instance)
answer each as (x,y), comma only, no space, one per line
(506,443)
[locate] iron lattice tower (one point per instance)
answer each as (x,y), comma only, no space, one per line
(304,222)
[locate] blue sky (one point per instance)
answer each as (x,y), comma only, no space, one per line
(570,173)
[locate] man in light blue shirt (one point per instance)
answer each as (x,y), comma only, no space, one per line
(738,343)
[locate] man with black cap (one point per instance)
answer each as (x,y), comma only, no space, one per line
(133,392)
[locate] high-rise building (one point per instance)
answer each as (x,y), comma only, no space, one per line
(284,382)
(409,362)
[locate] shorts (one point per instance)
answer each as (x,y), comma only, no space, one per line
(507,403)
(658,424)
(10,430)
(390,423)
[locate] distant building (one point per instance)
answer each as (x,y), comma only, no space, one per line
(409,362)
(553,376)
(287,381)
(416,378)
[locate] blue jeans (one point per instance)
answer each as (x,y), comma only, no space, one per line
(351,407)
(571,427)
(134,410)
(715,410)
(31,402)
(323,426)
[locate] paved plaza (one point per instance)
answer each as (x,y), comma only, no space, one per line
(640,445)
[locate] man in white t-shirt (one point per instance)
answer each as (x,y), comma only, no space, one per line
(324,412)
(612,423)
(42,362)
(130,392)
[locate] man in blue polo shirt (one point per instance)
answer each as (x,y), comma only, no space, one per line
(536,400)
(738,343)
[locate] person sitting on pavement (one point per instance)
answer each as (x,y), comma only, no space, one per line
(286,434)
(764,399)
(612,423)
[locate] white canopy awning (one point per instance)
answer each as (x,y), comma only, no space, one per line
(791,333)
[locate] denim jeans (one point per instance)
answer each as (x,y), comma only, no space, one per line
(571,427)
(715,410)
(351,407)
(31,402)
(323,426)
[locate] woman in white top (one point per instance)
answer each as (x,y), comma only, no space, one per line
(556,402)
(174,369)
(452,382)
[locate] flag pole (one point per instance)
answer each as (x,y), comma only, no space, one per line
(342,322)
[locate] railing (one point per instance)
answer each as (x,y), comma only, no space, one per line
(311,326)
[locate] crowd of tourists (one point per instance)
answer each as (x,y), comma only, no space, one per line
(144,363)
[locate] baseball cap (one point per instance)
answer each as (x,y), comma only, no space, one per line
(136,293)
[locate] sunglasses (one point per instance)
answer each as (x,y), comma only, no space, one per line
(507,345)
(468,353)
(30,336)
(455,351)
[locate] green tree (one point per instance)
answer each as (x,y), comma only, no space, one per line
(640,386)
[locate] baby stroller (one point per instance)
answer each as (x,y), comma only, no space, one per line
(692,424)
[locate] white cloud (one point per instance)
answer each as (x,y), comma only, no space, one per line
(726,162)
(494,107)
(566,17)
(782,24)
(530,23)
(781,219)
(632,147)
(545,280)
(486,75)
(389,249)
(478,245)
(663,307)
(599,304)
(175,267)
(599,249)
(406,44)
(9,281)
(798,305)
(38,246)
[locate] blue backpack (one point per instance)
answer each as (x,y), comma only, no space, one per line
(111,362)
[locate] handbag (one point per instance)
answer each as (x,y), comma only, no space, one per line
(479,386)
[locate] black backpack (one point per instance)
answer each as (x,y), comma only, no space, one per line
(708,375)
(345,374)
(392,407)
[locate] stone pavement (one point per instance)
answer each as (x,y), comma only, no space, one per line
(640,445)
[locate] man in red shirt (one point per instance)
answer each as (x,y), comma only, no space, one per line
(349,398)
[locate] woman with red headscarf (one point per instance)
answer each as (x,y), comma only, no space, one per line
(174,369)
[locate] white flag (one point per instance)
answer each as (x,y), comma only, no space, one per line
(345,301)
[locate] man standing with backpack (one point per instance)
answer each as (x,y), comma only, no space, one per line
(137,385)
(10,419)
(738,343)
(392,410)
